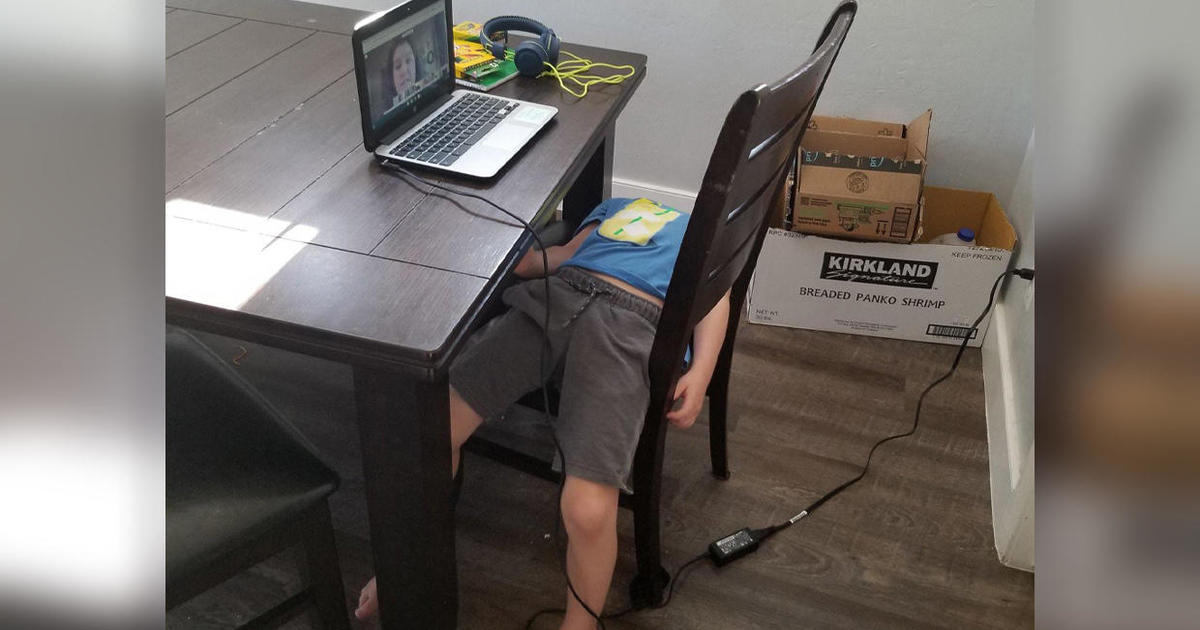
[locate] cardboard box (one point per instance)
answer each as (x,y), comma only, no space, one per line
(918,291)
(862,178)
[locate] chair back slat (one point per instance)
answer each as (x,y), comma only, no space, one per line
(761,167)
(744,181)
(740,220)
(790,100)
(729,254)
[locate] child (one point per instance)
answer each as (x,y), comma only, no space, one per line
(607,287)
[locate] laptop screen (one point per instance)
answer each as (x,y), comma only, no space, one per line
(405,64)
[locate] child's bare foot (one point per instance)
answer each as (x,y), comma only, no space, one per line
(368,602)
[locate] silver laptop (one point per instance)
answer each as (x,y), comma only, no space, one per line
(411,112)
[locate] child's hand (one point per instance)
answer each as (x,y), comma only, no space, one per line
(689,398)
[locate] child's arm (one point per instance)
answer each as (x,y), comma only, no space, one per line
(530,265)
(707,339)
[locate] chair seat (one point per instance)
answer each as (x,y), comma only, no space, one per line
(212,519)
(523,428)
(235,468)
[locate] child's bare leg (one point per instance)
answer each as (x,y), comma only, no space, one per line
(589,512)
(463,422)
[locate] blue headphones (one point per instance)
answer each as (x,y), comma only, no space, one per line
(530,57)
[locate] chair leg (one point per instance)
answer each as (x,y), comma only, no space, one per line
(648,585)
(718,414)
(324,573)
(456,489)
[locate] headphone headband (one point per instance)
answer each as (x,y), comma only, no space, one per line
(530,56)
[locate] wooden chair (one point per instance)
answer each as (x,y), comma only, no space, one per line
(745,180)
(241,486)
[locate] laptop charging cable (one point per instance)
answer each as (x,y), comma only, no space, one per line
(728,548)
(395,168)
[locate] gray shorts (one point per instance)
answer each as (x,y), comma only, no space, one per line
(600,339)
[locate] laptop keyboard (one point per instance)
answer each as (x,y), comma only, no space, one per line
(444,139)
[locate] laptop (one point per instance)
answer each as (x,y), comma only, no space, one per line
(411,111)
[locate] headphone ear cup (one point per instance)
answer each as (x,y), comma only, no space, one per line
(529,58)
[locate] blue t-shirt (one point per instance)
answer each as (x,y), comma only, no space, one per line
(637,242)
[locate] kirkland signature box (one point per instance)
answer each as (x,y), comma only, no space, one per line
(861,179)
(918,291)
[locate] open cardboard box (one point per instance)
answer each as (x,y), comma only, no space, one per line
(919,291)
(862,178)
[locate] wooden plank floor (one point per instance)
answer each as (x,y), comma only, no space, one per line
(908,547)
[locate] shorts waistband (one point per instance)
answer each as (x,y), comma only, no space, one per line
(585,282)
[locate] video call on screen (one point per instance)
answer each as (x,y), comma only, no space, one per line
(405,59)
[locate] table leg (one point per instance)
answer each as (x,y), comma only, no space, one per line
(404,424)
(594,184)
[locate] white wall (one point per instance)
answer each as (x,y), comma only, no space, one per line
(971,61)
(1008,365)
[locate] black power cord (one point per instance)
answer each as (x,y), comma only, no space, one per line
(546,350)
(746,540)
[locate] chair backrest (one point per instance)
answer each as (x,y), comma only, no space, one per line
(745,179)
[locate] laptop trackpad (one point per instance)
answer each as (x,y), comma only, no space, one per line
(507,137)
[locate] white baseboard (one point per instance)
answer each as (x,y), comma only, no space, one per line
(682,200)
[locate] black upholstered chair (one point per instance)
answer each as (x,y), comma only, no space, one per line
(242,485)
(744,182)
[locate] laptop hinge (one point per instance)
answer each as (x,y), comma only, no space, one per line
(415,119)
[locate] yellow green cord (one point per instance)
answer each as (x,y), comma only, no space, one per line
(570,70)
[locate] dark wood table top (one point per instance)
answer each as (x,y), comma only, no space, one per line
(279,223)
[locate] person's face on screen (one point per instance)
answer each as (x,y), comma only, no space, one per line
(404,67)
